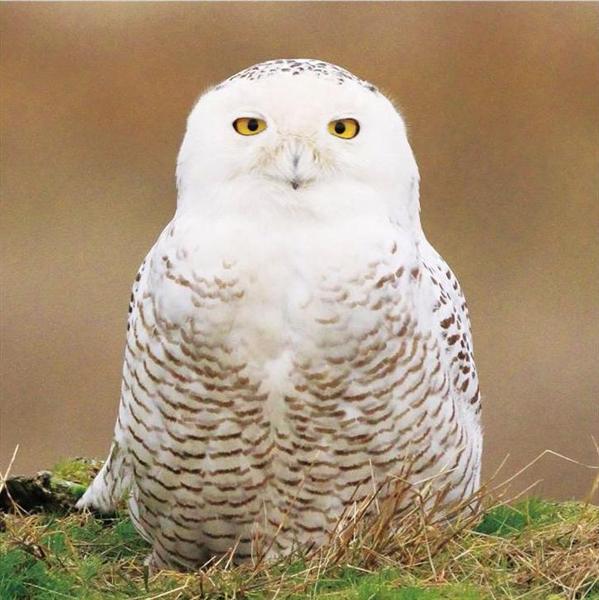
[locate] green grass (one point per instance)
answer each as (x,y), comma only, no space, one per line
(535,550)
(530,513)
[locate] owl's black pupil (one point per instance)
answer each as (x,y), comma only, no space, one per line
(253,124)
(339,127)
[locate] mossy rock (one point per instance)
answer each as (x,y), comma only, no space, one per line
(49,491)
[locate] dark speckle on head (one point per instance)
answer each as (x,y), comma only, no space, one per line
(318,68)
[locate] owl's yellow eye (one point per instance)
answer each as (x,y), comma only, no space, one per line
(249,125)
(344,128)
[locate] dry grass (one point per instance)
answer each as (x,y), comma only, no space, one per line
(487,548)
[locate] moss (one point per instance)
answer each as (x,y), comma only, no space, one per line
(76,471)
(533,512)
(350,584)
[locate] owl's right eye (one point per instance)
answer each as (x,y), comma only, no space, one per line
(249,125)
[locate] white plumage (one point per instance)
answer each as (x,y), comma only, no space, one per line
(294,339)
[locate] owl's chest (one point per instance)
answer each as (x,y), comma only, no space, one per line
(299,292)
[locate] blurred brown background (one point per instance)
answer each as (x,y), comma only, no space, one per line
(502,101)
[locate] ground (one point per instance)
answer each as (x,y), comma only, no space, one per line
(532,549)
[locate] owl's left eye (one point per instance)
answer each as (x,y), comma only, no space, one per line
(249,125)
(344,128)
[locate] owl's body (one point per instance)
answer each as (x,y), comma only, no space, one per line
(288,350)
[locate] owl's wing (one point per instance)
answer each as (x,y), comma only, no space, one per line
(451,321)
(114,479)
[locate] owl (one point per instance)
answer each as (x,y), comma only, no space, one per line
(294,341)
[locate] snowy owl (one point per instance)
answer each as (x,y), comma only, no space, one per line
(293,339)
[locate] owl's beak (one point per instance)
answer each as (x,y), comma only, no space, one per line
(293,163)
(299,164)
(298,182)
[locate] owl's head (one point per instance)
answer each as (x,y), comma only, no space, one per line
(296,133)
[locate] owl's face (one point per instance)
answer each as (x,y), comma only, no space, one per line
(290,135)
